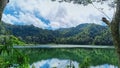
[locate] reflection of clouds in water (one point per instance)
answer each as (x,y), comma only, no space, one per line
(51,63)
(104,66)
(46,65)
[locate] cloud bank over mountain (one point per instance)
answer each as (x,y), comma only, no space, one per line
(53,15)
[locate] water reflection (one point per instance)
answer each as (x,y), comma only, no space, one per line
(55,63)
(104,66)
(63,63)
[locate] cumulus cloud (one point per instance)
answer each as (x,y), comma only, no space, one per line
(9,18)
(60,15)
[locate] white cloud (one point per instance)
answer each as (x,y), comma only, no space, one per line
(9,19)
(55,25)
(31,19)
(25,19)
(61,15)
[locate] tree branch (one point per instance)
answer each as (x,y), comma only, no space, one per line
(106,21)
(101,11)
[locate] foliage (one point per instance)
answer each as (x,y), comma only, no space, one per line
(86,2)
(7,53)
(10,40)
(2,28)
(3,63)
(20,60)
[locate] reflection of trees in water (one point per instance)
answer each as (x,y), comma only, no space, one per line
(101,56)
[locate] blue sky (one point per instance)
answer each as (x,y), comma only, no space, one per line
(53,15)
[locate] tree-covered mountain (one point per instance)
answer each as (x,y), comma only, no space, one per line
(81,34)
(2,28)
(87,34)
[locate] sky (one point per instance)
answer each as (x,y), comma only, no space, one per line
(54,15)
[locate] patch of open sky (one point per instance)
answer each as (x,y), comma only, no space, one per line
(12,11)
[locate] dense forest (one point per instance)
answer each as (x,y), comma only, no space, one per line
(84,34)
(6,38)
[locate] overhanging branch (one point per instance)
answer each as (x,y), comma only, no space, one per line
(106,21)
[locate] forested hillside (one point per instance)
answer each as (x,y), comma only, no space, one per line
(2,28)
(81,34)
(6,38)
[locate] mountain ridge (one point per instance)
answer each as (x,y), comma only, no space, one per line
(82,34)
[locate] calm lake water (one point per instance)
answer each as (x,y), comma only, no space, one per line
(64,63)
(59,56)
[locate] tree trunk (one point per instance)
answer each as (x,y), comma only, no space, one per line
(115,30)
(2,6)
(116,39)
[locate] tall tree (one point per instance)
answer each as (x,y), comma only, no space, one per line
(3,3)
(114,25)
(2,6)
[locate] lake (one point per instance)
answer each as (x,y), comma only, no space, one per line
(94,57)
